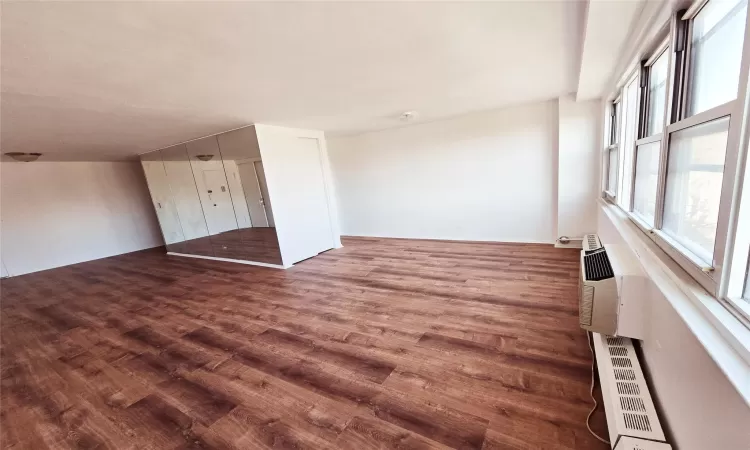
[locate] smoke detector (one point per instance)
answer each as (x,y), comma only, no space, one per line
(408,115)
(24,157)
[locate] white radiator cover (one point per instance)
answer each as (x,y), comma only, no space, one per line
(630,443)
(627,402)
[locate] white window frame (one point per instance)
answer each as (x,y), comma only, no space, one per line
(642,128)
(732,243)
(613,145)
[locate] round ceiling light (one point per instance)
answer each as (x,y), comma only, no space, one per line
(408,115)
(24,157)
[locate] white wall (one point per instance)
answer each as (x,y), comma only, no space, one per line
(696,401)
(578,166)
(486,176)
(296,165)
(55,214)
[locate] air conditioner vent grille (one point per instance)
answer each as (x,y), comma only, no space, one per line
(632,404)
(625,388)
(586,305)
(637,422)
(597,266)
(591,242)
(618,351)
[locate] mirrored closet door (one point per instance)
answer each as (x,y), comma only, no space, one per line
(212,199)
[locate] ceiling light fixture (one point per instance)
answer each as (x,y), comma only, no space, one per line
(204,157)
(24,157)
(408,115)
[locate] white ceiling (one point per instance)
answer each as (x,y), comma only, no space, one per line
(608,28)
(112,79)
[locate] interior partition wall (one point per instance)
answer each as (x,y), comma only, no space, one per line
(260,194)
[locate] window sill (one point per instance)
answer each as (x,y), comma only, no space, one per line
(723,335)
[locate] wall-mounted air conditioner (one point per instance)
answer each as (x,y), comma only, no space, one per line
(598,299)
(631,417)
(613,291)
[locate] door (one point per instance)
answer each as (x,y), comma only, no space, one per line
(219,211)
(265,198)
(293,166)
(254,198)
(161,195)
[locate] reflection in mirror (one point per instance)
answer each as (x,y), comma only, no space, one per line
(187,202)
(161,195)
(249,194)
(213,193)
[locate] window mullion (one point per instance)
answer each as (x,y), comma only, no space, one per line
(679,69)
(675,84)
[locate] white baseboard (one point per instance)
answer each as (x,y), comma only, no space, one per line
(240,261)
(572,244)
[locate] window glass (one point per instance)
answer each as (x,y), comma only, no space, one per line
(694,176)
(646,177)
(612,171)
(717,38)
(657,88)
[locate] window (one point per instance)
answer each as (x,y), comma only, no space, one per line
(678,147)
(716,52)
(646,178)
(657,94)
(694,179)
(648,148)
(614,128)
(612,155)
(612,171)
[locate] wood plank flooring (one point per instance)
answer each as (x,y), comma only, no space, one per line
(384,343)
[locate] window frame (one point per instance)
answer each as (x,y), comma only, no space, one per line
(709,276)
(614,112)
(730,249)
(643,117)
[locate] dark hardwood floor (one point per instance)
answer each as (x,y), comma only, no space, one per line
(381,344)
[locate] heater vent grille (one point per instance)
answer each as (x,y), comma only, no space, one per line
(618,351)
(637,422)
(621,362)
(632,404)
(615,341)
(625,390)
(624,374)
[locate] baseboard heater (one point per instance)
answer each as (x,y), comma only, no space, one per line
(631,417)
